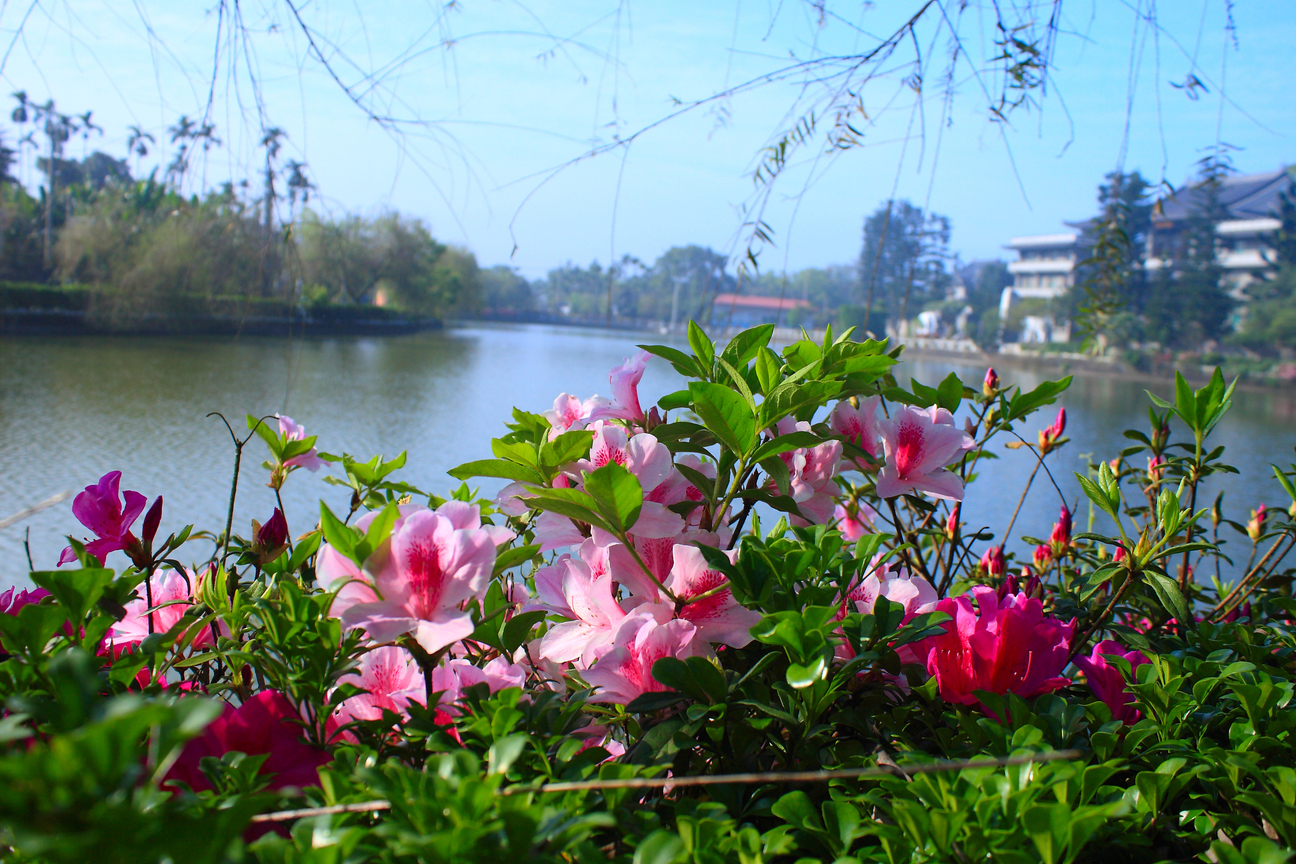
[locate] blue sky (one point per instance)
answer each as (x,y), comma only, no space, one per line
(522,89)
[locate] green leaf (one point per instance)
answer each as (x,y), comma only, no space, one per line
(1045,394)
(514,556)
(726,414)
(740,382)
(495,468)
(702,347)
(768,368)
(572,503)
(378,531)
(339,535)
(746,345)
(1171,597)
(683,363)
(268,434)
(617,494)
(675,401)
(646,703)
(518,628)
(950,393)
(1186,403)
(784,443)
(661,846)
(1096,495)
(566,448)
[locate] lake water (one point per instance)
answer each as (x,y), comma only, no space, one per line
(72,409)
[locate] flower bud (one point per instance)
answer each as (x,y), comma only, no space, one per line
(969,427)
(1119,554)
(991,383)
(274,533)
(952,523)
(1009,586)
(1156,465)
(1061,536)
(1256,526)
(1048,438)
(993,561)
(151,521)
(1043,557)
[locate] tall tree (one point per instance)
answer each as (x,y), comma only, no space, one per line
(1111,279)
(903,260)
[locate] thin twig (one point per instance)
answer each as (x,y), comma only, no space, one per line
(890,770)
(34,509)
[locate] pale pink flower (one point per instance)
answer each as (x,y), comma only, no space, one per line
(625,672)
(293,431)
(1007,646)
(392,680)
(854,524)
(570,414)
(600,736)
(914,593)
(857,425)
(625,391)
(719,617)
(919,444)
(432,564)
(572,590)
(642,455)
(452,677)
(811,471)
(167,586)
(99,509)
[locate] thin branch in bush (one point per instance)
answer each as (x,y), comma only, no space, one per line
(705,780)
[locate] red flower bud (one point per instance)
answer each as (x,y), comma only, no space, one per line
(1061,536)
(991,383)
(151,521)
(993,561)
(952,523)
(1043,556)
(274,533)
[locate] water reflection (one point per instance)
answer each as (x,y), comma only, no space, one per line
(72,409)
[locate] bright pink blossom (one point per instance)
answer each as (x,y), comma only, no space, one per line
(625,391)
(914,593)
(857,425)
(625,672)
(1108,682)
(167,586)
(99,509)
(1061,536)
(265,724)
(1001,647)
(13,600)
(1043,556)
(811,471)
(572,589)
(919,444)
(452,677)
(718,617)
(569,413)
(293,431)
(433,563)
(391,679)
(855,522)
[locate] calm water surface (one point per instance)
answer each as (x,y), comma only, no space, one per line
(72,409)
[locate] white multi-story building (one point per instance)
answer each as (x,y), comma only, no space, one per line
(1045,268)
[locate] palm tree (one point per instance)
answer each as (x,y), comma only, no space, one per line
(137,144)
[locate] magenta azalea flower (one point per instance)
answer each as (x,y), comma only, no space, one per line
(99,509)
(1007,646)
(432,564)
(13,600)
(1108,682)
(625,672)
(919,444)
(719,617)
(263,724)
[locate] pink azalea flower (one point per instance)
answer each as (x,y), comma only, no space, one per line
(854,525)
(13,600)
(392,680)
(433,563)
(569,413)
(642,455)
(293,431)
(1107,682)
(811,471)
(625,672)
(914,593)
(99,509)
(571,589)
(167,586)
(625,391)
(719,617)
(1000,647)
(857,425)
(262,725)
(919,444)
(600,736)
(452,677)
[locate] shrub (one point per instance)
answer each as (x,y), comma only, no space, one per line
(749,624)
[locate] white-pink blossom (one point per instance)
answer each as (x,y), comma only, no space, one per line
(293,431)
(569,413)
(717,617)
(855,522)
(625,391)
(625,672)
(571,589)
(811,471)
(919,443)
(391,680)
(857,425)
(168,587)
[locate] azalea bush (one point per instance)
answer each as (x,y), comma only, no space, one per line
(751,623)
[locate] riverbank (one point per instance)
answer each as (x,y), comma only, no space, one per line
(29,309)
